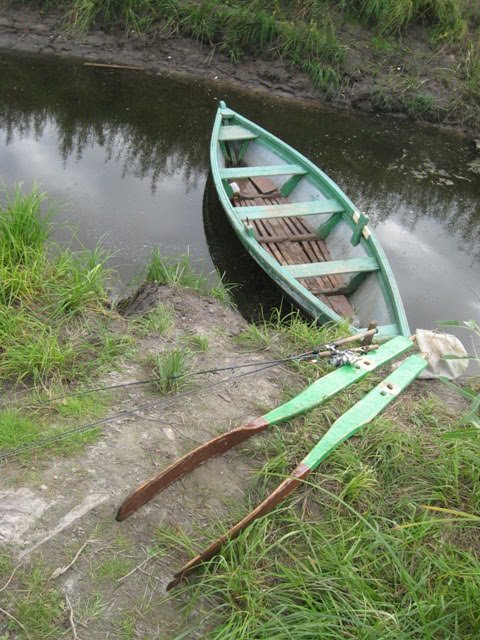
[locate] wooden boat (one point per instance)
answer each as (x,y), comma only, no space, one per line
(302,229)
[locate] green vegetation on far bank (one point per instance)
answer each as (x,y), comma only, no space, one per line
(420,57)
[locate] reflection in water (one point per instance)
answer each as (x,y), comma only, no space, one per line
(128,152)
(126,114)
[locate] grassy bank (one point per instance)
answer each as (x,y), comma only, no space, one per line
(382,542)
(55,322)
(420,57)
(54,309)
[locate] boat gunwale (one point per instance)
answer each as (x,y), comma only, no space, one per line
(324,183)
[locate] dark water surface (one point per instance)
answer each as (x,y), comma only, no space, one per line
(126,155)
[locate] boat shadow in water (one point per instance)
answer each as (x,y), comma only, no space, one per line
(254,293)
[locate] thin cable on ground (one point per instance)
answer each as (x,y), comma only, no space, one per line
(145,407)
(301,356)
(182,376)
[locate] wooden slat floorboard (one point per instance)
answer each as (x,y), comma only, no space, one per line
(259,190)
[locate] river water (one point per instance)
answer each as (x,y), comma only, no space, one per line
(124,155)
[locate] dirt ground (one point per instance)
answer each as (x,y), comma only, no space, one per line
(57,509)
(51,506)
(400,73)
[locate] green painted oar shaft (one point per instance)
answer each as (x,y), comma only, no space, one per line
(365,410)
(338,380)
(359,415)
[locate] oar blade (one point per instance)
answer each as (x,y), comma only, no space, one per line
(281,492)
(211,449)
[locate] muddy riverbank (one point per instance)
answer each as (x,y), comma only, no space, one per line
(405,78)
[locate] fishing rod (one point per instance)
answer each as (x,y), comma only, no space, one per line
(144,407)
(315,352)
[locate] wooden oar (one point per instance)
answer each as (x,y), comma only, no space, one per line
(359,415)
(311,397)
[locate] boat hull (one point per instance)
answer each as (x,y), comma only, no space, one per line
(302,229)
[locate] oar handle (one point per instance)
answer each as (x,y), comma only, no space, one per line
(338,380)
(366,409)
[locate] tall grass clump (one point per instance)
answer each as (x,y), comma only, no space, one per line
(23,232)
(178,271)
(170,368)
(448,18)
(53,300)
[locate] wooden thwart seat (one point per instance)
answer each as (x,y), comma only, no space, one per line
(314,207)
(334,267)
(234,132)
(270,170)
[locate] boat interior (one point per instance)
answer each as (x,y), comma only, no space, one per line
(301,226)
(292,240)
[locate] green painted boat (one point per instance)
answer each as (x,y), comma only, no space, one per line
(302,229)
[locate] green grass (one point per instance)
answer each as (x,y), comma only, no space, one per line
(34,601)
(113,568)
(91,405)
(448,19)
(51,298)
(178,271)
(54,323)
(16,429)
(381,543)
(170,367)
(198,343)
(157,321)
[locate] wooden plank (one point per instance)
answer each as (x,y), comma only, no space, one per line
(289,238)
(320,254)
(354,265)
(343,290)
(235,132)
(270,170)
(227,113)
(264,186)
(312,208)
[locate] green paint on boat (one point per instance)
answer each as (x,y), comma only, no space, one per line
(346,234)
